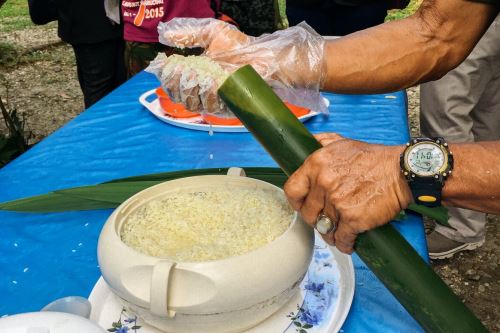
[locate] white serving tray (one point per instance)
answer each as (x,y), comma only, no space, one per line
(197,123)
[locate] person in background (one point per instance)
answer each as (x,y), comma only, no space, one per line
(464,106)
(337,17)
(256,17)
(327,17)
(96,41)
(140,22)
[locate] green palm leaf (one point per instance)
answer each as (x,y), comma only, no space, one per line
(53,202)
(112,193)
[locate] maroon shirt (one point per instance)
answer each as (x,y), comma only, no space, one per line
(141,17)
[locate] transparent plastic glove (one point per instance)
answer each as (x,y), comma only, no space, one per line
(290,60)
(193,81)
(208,33)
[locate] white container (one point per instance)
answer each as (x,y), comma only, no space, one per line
(48,322)
(219,296)
(76,305)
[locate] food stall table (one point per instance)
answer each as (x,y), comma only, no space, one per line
(48,256)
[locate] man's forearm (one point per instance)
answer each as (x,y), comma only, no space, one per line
(475,180)
(400,54)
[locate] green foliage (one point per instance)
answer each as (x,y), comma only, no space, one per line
(14,24)
(17,139)
(397,14)
(8,55)
(14,15)
(14,8)
(16,142)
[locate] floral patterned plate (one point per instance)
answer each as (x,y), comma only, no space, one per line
(321,306)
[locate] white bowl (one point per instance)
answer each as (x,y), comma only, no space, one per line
(227,295)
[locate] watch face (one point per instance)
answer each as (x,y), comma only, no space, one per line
(425,159)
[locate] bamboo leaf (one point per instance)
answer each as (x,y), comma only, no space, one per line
(164,176)
(110,192)
(272,175)
(439,214)
(119,190)
(53,202)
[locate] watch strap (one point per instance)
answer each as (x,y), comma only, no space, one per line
(426,193)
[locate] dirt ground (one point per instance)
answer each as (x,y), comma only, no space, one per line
(42,86)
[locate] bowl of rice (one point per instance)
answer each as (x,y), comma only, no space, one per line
(205,254)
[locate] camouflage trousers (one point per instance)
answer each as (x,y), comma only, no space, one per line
(138,55)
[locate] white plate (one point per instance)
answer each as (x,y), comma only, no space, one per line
(321,306)
(197,123)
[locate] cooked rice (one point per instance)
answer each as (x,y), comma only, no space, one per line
(206,69)
(207,225)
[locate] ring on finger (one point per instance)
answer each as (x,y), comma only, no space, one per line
(325,225)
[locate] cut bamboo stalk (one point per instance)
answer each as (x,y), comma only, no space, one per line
(391,258)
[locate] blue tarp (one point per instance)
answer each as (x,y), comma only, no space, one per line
(47,256)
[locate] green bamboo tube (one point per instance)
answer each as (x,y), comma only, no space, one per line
(424,295)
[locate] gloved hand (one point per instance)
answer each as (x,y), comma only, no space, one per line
(290,60)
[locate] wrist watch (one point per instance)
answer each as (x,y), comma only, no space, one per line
(426,163)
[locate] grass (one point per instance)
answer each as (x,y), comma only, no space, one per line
(14,16)
(17,139)
(14,8)
(8,55)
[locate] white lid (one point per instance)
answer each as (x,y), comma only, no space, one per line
(48,322)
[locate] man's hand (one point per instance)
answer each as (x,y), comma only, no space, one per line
(357,184)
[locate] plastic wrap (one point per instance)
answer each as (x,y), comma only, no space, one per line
(290,60)
(193,81)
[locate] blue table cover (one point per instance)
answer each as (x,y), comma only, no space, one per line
(47,256)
